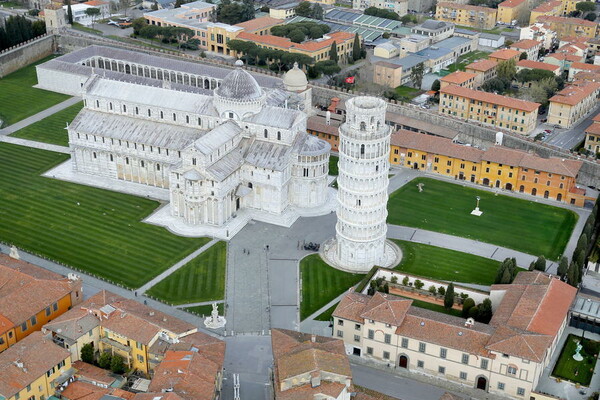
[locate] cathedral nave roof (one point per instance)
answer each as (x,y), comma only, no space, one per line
(277,117)
(269,155)
(217,137)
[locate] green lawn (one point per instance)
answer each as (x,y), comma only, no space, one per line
(493,31)
(321,284)
(467,59)
(433,307)
(51,129)
(326,315)
(19,100)
(522,225)
(407,91)
(205,310)
(202,279)
(446,265)
(333,165)
(83,28)
(576,371)
(94,230)
(8,4)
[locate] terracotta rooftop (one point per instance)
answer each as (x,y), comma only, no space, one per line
(318,124)
(458,77)
(567,20)
(564,56)
(594,129)
(554,165)
(91,373)
(585,67)
(260,23)
(491,98)
(504,54)
(286,44)
(482,65)
(84,391)
(547,6)
(351,306)
(573,94)
(525,44)
(387,309)
(435,145)
(28,351)
(466,7)
(95,3)
(537,65)
(511,3)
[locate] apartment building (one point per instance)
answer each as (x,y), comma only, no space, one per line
(31,296)
(510,11)
(504,55)
(562,60)
(552,7)
(505,357)
(592,136)
(466,15)
(528,64)
(484,69)
(434,30)
(540,32)
(564,26)
(528,46)
(504,112)
(500,167)
(33,368)
(577,67)
(460,78)
(283,10)
(400,7)
(570,105)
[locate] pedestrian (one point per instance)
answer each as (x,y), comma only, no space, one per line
(267,247)
(145,303)
(135,293)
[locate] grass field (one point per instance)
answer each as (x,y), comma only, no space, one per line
(94,230)
(87,29)
(446,265)
(467,59)
(333,165)
(205,310)
(51,129)
(566,367)
(433,307)
(522,225)
(19,100)
(321,284)
(202,279)
(407,91)
(326,315)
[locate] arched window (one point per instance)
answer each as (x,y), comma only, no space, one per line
(546,194)
(142,163)
(187,119)
(250,185)
(560,185)
(559,197)
(278,135)
(158,167)
(162,115)
(124,108)
(174,117)
(94,154)
(137,111)
(97,103)
(362,149)
(266,133)
(521,189)
(363,126)
(149,113)
(110,106)
(111,157)
(534,191)
(127,160)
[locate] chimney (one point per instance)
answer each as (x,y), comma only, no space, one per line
(313,338)
(328,118)
(469,322)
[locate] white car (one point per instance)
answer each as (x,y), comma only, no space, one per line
(111,22)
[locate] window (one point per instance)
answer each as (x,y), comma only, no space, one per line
(278,135)
(404,343)
(484,364)
(33,320)
(436,159)
(443,353)
(420,364)
(387,338)
(356,338)
(29,388)
(371,334)
(340,334)
(48,312)
(422,347)
(512,370)
(340,322)
(465,358)
(520,392)
(174,117)
(140,358)
(449,163)
(463,376)
(500,386)
(124,108)
(357,327)
(386,355)
(370,351)
(442,370)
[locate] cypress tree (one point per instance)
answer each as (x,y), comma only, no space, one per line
(563,267)
(69,12)
(356,48)
(449,296)
(333,55)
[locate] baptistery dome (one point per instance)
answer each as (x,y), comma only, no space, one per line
(239,95)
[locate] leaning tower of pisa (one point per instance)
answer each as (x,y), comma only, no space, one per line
(364,148)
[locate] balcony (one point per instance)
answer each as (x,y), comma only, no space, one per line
(117,345)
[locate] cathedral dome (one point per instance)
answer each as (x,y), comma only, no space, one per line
(239,85)
(295,79)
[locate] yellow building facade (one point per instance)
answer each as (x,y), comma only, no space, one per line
(571,104)
(466,15)
(512,10)
(550,8)
(564,26)
(592,136)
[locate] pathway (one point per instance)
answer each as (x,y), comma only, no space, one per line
(143,289)
(39,116)
(34,144)
(202,303)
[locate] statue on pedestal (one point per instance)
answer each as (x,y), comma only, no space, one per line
(215,321)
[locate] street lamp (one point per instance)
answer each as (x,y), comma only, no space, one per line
(476,211)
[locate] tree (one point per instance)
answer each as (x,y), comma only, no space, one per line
(484,313)
(449,296)
(416,75)
(523,56)
(381,13)
(539,91)
(538,265)
(474,312)
(419,284)
(507,69)
(496,85)
(92,12)
(573,274)
(138,24)
(116,364)
(317,11)
(328,67)
(234,12)
(432,290)
(105,360)
(87,353)
(441,290)
(38,28)
(69,12)
(563,266)
(585,6)
(436,85)
(582,243)
(408,19)
(405,281)
(467,305)
(356,48)
(154,6)
(333,54)
(304,9)
(297,36)
(591,17)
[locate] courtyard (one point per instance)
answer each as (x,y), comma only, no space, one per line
(96,231)
(518,224)
(568,368)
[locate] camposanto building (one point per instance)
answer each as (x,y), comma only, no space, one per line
(223,147)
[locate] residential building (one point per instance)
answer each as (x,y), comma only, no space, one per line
(484,69)
(515,170)
(574,102)
(194,16)
(528,46)
(562,60)
(413,44)
(420,6)
(459,78)
(592,136)
(564,26)
(504,55)
(593,46)
(387,74)
(103,6)
(491,40)
(434,30)
(284,10)
(466,15)
(400,7)
(506,357)
(569,6)
(161,4)
(79,14)
(30,296)
(528,64)
(577,67)
(33,368)
(512,11)
(326,126)
(260,26)
(386,50)
(549,8)
(504,112)
(540,32)
(309,366)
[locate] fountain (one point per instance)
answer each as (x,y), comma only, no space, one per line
(577,356)
(215,321)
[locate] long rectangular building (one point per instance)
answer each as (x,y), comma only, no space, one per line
(466,15)
(512,114)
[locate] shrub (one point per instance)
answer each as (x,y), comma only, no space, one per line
(394,279)
(87,353)
(432,289)
(441,290)
(467,305)
(418,284)
(116,364)
(405,281)
(105,360)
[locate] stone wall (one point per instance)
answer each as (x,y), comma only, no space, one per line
(26,53)
(472,133)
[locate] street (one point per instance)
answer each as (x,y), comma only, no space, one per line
(570,138)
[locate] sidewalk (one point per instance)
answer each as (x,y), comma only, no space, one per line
(39,116)
(34,144)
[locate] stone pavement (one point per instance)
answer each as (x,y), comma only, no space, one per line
(39,116)
(34,144)
(175,267)
(202,303)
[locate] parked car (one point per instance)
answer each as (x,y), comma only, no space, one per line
(111,22)
(547,130)
(544,120)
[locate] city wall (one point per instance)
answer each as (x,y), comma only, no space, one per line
(19,56)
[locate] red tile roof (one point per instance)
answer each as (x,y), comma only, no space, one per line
(286,44)
(525,44)
(537,65)
(585,67)
(458,77)
(505,54)
(567,20)
(466,7)
(259,23)
(548,6)
(482,65)
(435,145)
(511,3)
(491,98)
(573,94)
(83,391)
